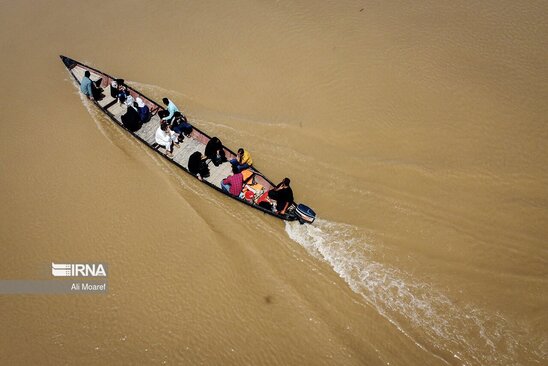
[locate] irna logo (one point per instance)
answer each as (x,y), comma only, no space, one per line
(78,270)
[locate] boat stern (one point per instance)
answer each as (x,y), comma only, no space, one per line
(304,214)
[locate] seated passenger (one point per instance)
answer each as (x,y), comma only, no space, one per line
(283,195)
(214,151)
(197,165)
(131,119)
(91,89)
(234,183)
(97,90)
(243,160)
(122,93)
(171,109)
(114,87)
(166,138)
(129,98)
(162,113)
(181,125)
(144,111)
(85,85)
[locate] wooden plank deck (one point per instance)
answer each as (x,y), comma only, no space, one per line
(148,131)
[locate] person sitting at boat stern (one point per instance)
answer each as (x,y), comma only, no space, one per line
(283,195)
(234,183)
(180,125)
(197,165)
(214,151)
(131,119)
(166,138)
(171,109)
(243,160)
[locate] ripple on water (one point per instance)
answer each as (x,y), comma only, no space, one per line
(422,312)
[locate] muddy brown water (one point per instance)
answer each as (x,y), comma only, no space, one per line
(416,131)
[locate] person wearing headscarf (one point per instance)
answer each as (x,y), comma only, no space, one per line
(214,151)
(197,165)
(144,111)
(131,119)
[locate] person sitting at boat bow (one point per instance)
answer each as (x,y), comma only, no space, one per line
(171,109)
(243,160)
(89,88)
(283,195)
(166,138)
(234,183)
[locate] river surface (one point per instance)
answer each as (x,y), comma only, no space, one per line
(416,130)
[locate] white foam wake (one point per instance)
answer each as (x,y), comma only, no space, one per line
(420,311)
(471,335)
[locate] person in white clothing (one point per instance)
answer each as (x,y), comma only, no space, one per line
(166,138)
(129,100)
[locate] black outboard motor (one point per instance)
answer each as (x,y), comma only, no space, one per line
(304,214)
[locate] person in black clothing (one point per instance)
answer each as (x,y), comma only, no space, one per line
(197,165)
(180,125)
(97,90)
(123,93)
(131,119)
(114,86)
(283,195)
(162,113)
(214,151)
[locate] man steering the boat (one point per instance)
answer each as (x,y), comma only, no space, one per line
(283,195)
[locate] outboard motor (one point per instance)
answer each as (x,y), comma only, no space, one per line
(304,214)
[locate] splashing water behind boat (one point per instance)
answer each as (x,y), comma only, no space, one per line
(464,331)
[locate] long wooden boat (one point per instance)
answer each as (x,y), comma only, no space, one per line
(196,142)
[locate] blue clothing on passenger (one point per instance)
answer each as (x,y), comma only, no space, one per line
(225,187)
(122,95)
(182,127)
(171,108)
(144,113)
(85,86)
(240,166)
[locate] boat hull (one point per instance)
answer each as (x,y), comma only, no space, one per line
(196,142)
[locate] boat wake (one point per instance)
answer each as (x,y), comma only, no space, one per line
(455,333)
(103,124)
(96,115)
(154,91)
